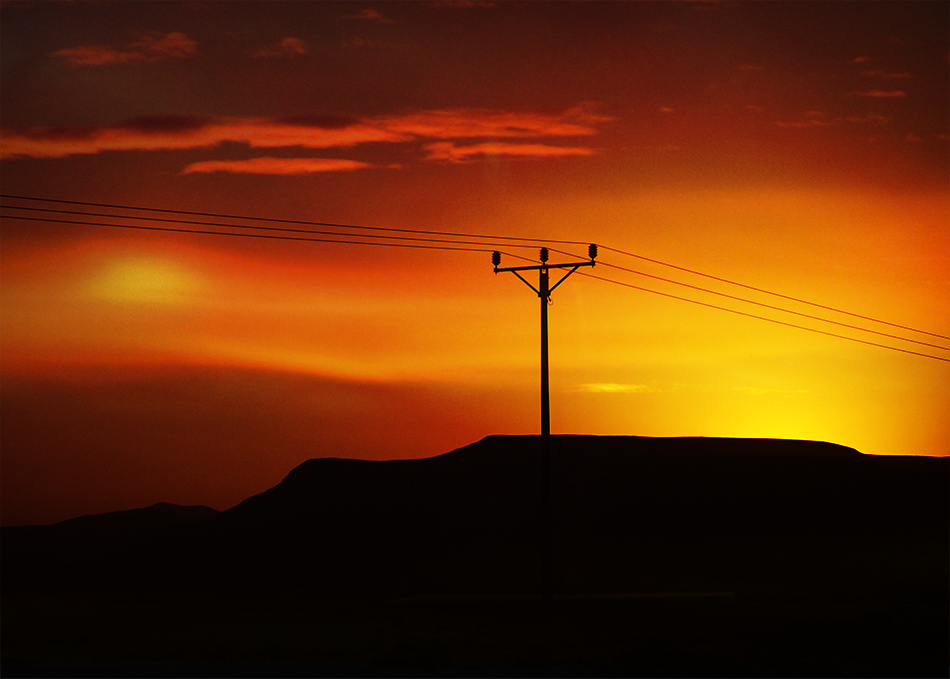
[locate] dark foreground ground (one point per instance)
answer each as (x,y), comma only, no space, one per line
(294,634)
(734,557)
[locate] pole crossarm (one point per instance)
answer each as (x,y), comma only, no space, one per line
(543,269)
(537,267)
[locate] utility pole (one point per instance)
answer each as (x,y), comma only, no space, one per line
(544,291)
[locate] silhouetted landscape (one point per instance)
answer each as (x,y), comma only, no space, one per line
(671,557)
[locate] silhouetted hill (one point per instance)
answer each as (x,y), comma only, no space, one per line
(630,514)
(49,553)
(159,515)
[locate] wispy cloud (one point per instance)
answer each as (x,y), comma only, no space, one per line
(469,123)
(370,15)
(461,4)
(817,119)
(613,388)
(868,119)
(186,132)
(288,47)
(136,136)
(802,124)
(882,94)
(280,166)
(811,119)
(148,48)
(886,75)
(456,154)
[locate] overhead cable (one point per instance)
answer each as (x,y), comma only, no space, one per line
(762,318)
(295,221)
(166,220)
(767,306)
(498,237)
(143,227)
(437,244)
(770,292)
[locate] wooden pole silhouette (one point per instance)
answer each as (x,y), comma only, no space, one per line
(546,574)
(544,291)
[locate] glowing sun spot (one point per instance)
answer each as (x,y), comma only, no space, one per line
(143,280)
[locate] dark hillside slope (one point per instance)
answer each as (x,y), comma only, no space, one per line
(630,514)
(53,553)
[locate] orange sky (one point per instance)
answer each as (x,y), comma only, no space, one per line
(801,148)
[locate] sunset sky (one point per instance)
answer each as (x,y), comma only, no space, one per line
(797,147)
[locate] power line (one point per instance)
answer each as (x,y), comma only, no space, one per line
(767,306)
(465,242)
(294,221)
(510,238)
(763,318)
(261,228)
(475,249)
(769,292)
(143,227)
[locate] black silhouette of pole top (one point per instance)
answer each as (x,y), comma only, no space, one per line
(544,266)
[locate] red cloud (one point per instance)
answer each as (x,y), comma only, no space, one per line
(803,124)
(93,55)
(467,123)
(288,47)
(456,154)
(819,119)
(150,47)
(882,94)
(870,118)
(169,46)
(258,133)
(370,15)
(461,4)
(275,166)
(886,75)
(183,132)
